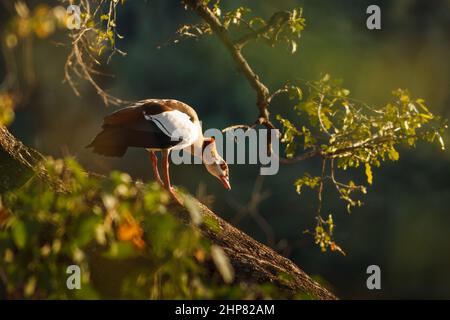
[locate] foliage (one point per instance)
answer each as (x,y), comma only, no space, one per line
(282,27)
(41,22)
(348,134)
(6,108)
(107,224)
(96,35)
(343,132)
(323,234)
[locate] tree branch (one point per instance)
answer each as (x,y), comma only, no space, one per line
(234,50)
(275,22)
(252,261)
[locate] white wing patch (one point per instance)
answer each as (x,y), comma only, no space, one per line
(176,125)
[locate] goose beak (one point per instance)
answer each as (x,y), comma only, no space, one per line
(225,182)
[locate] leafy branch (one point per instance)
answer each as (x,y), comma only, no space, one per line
(96,34)
(343,132)
(349,134)
(282,26)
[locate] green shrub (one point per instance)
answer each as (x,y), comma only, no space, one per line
(119,232)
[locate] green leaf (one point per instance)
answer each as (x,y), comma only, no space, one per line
(307,180)
(87,292)
(441,141)
(293,47)
(393,154)
(222,263)
(369,173)
(86,230)
(194,210)
(19,234)
(295,93)
(30,287)
(421,103)
(121,250)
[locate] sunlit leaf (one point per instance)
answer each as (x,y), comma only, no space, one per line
(369,173)
(19,233)
(222,263)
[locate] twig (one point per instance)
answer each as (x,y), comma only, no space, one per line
(275,22)
(234,50)
(252,209)
(319,115)
(320,189)
(76,62)
(307,155)
(238,126)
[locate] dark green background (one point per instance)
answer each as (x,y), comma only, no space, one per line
(404,225)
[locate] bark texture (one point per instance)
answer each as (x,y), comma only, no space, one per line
(252,261)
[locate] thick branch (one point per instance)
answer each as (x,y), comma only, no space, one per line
(18,163)
(252,261)
(256,262)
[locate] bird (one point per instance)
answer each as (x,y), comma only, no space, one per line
(160,125)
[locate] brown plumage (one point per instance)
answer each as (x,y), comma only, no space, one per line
(128,127)
(159,125)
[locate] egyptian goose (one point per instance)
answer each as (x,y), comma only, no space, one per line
(159,125)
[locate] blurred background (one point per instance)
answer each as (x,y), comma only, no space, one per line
(405,222)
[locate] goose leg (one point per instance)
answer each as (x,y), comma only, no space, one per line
(166,174)
(154,159)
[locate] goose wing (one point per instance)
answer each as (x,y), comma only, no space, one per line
(151,124)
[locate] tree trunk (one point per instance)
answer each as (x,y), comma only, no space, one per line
(252,261)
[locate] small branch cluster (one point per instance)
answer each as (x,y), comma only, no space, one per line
(282,26)
(343,132)
(348,134)
(95,35)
